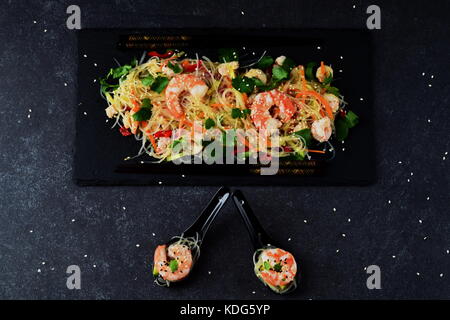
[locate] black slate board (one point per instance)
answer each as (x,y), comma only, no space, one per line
(100,150)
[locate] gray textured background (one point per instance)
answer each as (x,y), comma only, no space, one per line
(47,223)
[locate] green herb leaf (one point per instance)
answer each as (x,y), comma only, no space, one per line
(173,265)
(175,67)
(155,271)
(306,135)
(266,265)
(237,113)
(309,71)
(279,73)
(228,55)
(288,65)
(265,62)
(341,126)
(106,86)
(352,119)
(120,71)
(148,81)
(333,90)
(160,84)
(243,84)
(277,267)
(143,115)
(209,123)
(146,103)
(328,80)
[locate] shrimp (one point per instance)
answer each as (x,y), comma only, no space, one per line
(169,270)
(333,101)
(179,84)
(279,267)
(321,129)
(262,109)
(323,72)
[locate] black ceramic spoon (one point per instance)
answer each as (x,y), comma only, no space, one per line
(258,236)
(194,236)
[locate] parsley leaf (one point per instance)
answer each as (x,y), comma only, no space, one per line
(146,111)
(328,80)
(341,129)
(160,84)
(148,81)
(309,71)
(288,64)
(106,86)
(209,123)
(173,265)
(175,67)
(306,135)
(120,71)
(279,73)
(237,113)
(228,55)
(243,84)
(265,62)
(352,119)
(277,267)
(266,265)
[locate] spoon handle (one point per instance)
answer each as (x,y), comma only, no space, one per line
(258,235)
(203,222)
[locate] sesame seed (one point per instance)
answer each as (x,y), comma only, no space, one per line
(253,292)
(209,272)
(393,257)
(29,116)
(318,48)
(39,270)
(160,182)
(448,251)
(85,55)
(124,208)
(430,85)
(43,263)
(334,209)
(85,255)
(354,6)
(432,76)
(153,234)
(85,113)
(95,266)
(429,120)
(31,231)
(340,70)
(289,239)
(34,21)
(343,235)
(337,251)
(425,238)
(412,173)
(183,176)
(441,275)
(65,84)
(45,30)
(389,201)
(428,198)
(408,180)
(418,273)
(420,221)
(73,220)
(341,57)
(362,99)
(423,74)
(242,12)
(305,221)
(349,220)
(95,65)
(400,162)
(138,245)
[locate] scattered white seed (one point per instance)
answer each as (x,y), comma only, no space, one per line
(34,21)
(107,120)
(343,235)
(425,238)
(318,48)
(429,120)
(65,84)
(29,110)
(362,99)
(95,80)
(343,149)
(73,220)
(430,85)
(183,176)
(408,180)
(337,251)
(142,162)
(31,231)
(349,220)
(340,70)
(95,266)
(428,198)
(253,292)
(365,268)
(354,6)
(305,221)
(95,65)
(446,153)
(29,116)
(412,173)
(393,257)
(160,182)
(153,234)
(448,251)
(341,57)
(432,76)
(423,74)
(138,245)
(389,201)
(400,162)
(39,270)
(45,30)
(242,12)
(43,263)
(418,273)
(420,221)
(209,272)
(289,239)
(441,275)
(334,210)
(85,255)
(443,158)
(85,113)
(124,208)
(85,55)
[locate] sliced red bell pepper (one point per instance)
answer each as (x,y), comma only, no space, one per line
(163,134)
(125,132)
(168,54)
(190,67)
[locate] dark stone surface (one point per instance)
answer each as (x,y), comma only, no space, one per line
(45,218)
